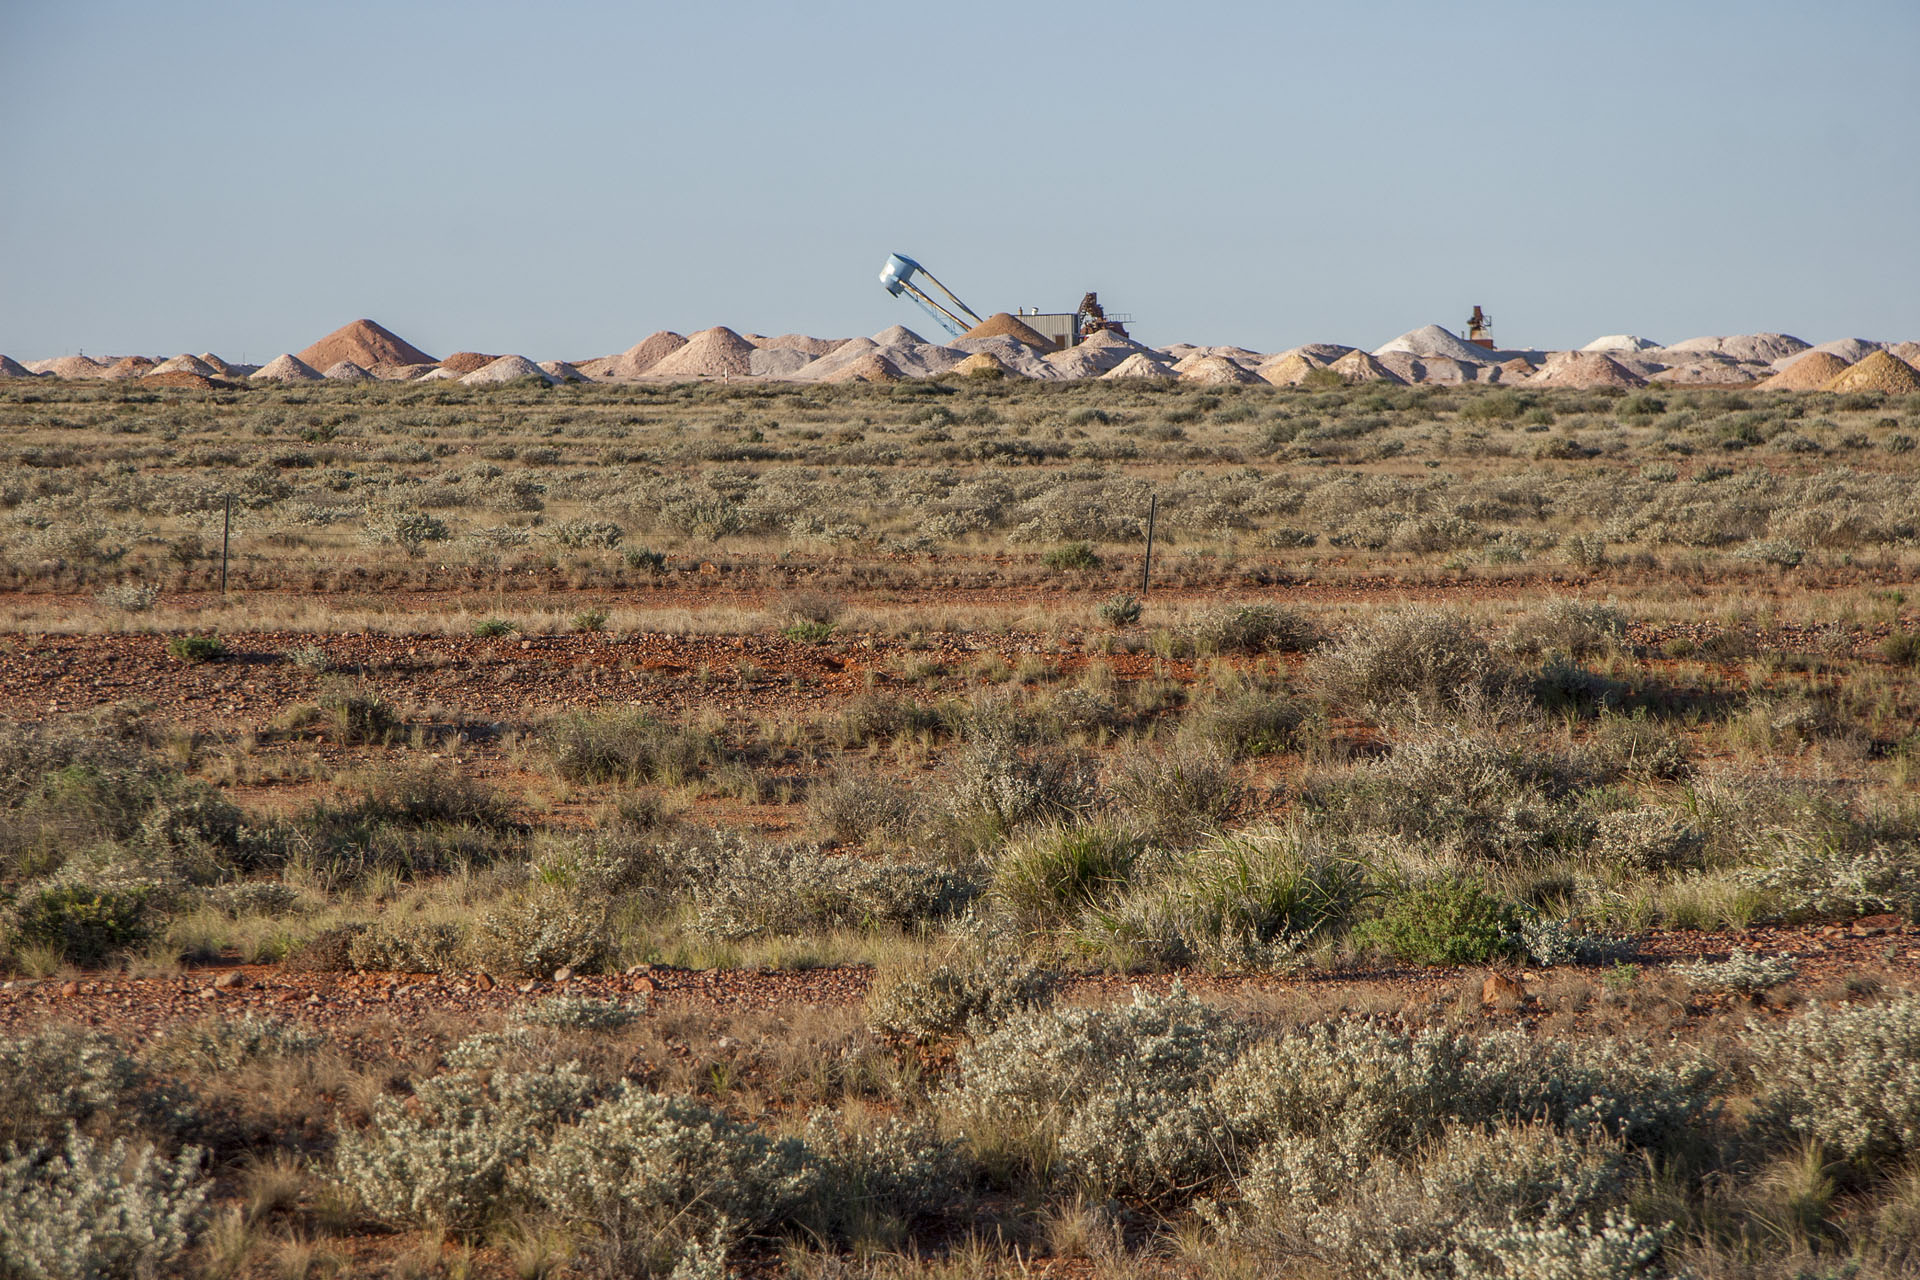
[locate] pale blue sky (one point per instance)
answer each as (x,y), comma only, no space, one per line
(562,179)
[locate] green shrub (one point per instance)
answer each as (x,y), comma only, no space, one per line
(1902,648)
(1245,900)
(590,620)
(194,649)
(1050,876)
(1122,610)
(85,924)
(227,1044)
(1071,555)
(627,746)
(494,628)
(649,562)
(808,632)
(1452,921)
(993,788)
(583,1013)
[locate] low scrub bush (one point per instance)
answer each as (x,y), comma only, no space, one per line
(1245,900)
(859,807)
(1426,656)
(743,889)
(1252,722)
(583,1013)
(445,1157)
(1451,921)
(1049,877)
(541,928)
(629,747)
(1114,1099)
(972,990)
(1742,972)
(1847,1078)
(1255,628)
(1578,628)
(994,788)
(104,1210)
(650,1173)
(1175,793)
(227,1044)
(53,1079)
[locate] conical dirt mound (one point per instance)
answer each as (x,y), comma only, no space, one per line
(718,352)
(1140,365)
(1588,369)
(11,368)
(1002,325)
(1216,371)
(981,364)
(72,367)
(287,368)
(462,363)
(364,343)
(506,369)
(185,364)
(1288,370)
(347,371)
(1809,372)
(127,367)
(1358,366)
(1881,371)
(641,356)
(872,367)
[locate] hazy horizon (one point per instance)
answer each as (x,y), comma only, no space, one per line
(244,179)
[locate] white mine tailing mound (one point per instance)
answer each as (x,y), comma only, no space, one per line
(1749,348)
(833,361)
(67,367)
(562,371)
(1583,369)
(1216,371)
(778,362)
(506,369)
(1142,365)
(1693,373)
(1290,369)
(287,368)
(185,364)
(1852,350)
(718,352)
(922,359)
(1614,343)
(346,371)
(812,347)
(1358,366)
(898,335)
(1432,340)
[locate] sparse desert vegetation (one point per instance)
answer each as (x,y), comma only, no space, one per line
(690,830)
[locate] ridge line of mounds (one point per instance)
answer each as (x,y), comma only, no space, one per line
(1004,345)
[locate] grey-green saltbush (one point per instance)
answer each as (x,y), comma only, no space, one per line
(1112,1098)
(1848,1078)
(102,1211)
